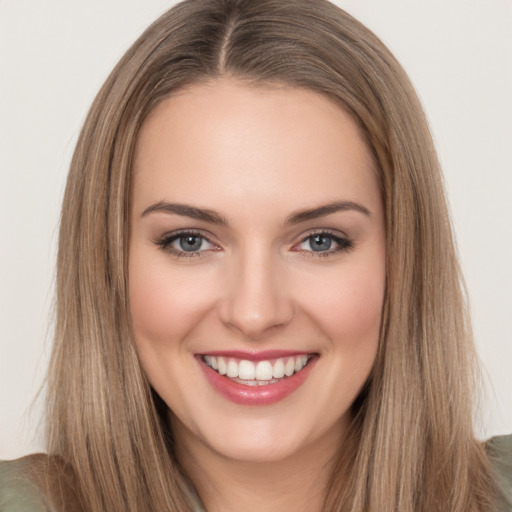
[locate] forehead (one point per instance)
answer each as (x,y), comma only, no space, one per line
(238,141)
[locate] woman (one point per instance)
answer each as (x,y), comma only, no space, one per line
(258,300)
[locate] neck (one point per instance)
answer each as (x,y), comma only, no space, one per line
(224,485)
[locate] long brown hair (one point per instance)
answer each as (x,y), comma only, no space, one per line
(411,446)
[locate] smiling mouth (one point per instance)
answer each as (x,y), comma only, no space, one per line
(257,373)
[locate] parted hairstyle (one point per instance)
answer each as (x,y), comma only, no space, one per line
(410,447)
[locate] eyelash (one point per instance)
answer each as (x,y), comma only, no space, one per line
(344,244)
(165,243)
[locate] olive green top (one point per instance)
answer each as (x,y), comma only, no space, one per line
(19,494)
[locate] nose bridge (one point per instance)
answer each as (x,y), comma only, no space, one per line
(256,298)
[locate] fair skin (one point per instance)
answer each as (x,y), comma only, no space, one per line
(253,276)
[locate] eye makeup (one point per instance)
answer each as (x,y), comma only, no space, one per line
(192,243)
(324,243)
(186,244)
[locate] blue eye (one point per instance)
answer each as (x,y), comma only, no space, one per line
(186,244)
(320,242)
(190,243)
(324,244)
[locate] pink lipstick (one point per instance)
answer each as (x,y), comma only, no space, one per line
(256,378)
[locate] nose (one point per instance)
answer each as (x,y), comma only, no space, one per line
(256,299)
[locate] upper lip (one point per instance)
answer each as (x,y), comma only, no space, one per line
(251,355)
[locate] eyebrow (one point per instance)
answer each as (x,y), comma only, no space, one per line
(215,218)
(328,209)
(187,211)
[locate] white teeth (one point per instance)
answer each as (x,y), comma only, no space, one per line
(222,366)
(289,367)
(300,362)
(253,383)
(259,374)
(278,371)
(264,370)
(246,370)
(232,368)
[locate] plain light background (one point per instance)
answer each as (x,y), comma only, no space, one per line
(54,56)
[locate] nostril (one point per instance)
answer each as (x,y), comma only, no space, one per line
(255,301)
(255,325)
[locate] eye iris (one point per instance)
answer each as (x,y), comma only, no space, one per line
(190,243)
(320,243)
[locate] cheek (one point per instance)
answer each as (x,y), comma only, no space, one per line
(363,306)
(350,317)
(164,302)
(350,311)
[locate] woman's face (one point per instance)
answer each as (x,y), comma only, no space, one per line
(257,267)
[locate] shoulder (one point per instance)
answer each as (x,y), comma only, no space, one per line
(499,451)
(18,491)
(37,483)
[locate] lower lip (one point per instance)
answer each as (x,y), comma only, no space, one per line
(256,395)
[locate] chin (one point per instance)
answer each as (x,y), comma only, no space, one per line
(257,448)
(261,440)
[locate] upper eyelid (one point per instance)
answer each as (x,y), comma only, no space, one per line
(164,244)
(172,235)
(343,240)
(336,233)
(165,240)
(182,232)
